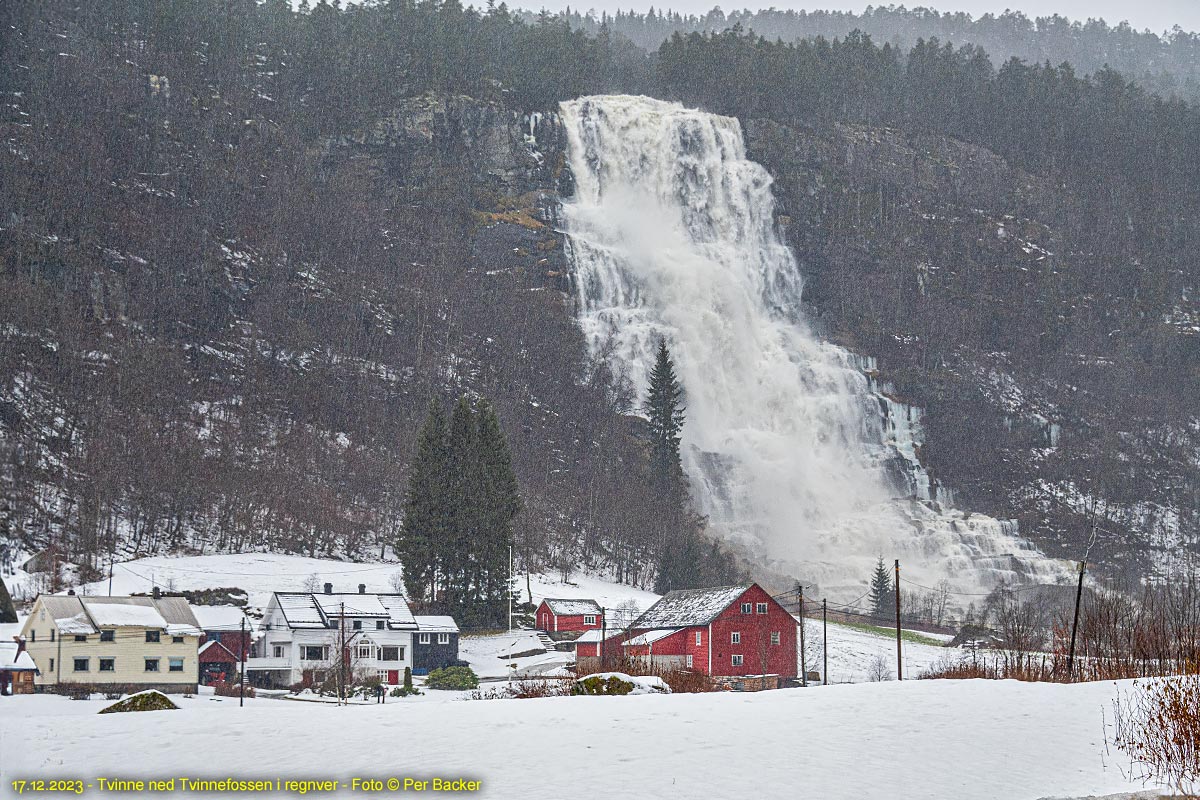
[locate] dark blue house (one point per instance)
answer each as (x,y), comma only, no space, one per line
(435,644)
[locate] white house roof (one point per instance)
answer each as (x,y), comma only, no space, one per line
(74,614)
(559,606)
(9,660)
(650,637)
(435,624)
(311,610)
(589,637)
(682,608)
(221,618)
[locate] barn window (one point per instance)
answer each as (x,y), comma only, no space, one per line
(424,638)
(699,637)
(81,665)
(689,662)
(762,608)
(443,638)
(737,661)
(589,619)
(774,637)
(735,637)
(153,636)
(175,665)
(108,665)
(390,654)
(107,636)
(151,665)
(746,607)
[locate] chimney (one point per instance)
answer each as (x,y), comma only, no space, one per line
(20,640)
(362,588)
(156,593)
(329,588)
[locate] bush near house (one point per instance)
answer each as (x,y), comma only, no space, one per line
(452,678)
(598,685)
(149,700)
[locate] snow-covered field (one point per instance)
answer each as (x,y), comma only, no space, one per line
(966,740)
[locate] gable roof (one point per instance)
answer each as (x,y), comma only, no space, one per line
(682,608)
(437,624)
(75,614)
(221,618)
(9,660)
(213,644)
(650,637)
(572,607)
(312,610)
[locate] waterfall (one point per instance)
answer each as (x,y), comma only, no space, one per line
(791,449)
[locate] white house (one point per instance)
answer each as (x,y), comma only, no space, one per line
(301,633)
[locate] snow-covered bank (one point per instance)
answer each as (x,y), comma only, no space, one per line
(966,740)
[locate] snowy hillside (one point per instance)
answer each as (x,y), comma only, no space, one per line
(977,740)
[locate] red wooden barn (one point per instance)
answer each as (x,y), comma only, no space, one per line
(217,663)
(556,615)
(729,631)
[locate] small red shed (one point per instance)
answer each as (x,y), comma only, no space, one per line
(217,663)
(556,615)
(727,631)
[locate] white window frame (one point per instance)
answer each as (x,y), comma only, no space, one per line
(276,651)
(736,660)
(761,608)
(735,637)
(424,638)
(382,674)
(689,660)
(171,664)
(443,638)
(383,651)
(155,661)
(589,619)
(747,608)
(699,638)
(100,664)
(87,664)
(304,652)
(364,652)
(775,637)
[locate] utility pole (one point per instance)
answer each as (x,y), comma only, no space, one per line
(603,636)
(803,663)
(1079,598)
(110,572)
(341,652)
(242,657)
(825,642)
(510,587)
(899,657)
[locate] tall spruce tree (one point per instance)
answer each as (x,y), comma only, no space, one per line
(426,510)
(8,614)
(464,488)
(883,598)
(679,548)
(665,409)
(501,503)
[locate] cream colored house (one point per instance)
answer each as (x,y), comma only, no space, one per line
(118,643)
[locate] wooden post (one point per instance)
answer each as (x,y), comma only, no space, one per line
(899,657)
(242,658)
(825,642)
(341,656)
(1075,623)
(603,633)
(803,662)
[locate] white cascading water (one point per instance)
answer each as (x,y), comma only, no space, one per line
(791,449)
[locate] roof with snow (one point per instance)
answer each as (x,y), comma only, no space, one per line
(78,615)
(682,608)
(312,610)
(9,660)
(559,606)
(650,637)
(218,650)
(437,624)
(221,618)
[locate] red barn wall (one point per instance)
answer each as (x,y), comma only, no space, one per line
(759,656)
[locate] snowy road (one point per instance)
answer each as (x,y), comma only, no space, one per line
(969,740)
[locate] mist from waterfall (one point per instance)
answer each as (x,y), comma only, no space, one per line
(791,449)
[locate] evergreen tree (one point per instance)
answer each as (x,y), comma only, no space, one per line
(501,503)
(8,614)
(883,598)
(666,412)
(426,513)
(464,489)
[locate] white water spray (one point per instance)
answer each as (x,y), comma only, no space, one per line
(790,448)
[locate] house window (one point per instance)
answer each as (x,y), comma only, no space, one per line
(689,662)
(378,624)
(312,653)
(735,637)
(399,653)
(424,638)
(81,637)
(737,661)
(365,650)
(277,651)
(333,623)
(358,624)
(52,665)
(81,665)
(699,638)
(762,608)
(443,638)
(589,619)
(383,675)
(151,665)
(153,636)
(746,608)
(389,654)
(108,665)
(176,640)
(107,636)
(774,637)
(52,634)
(32,636)
(175,665)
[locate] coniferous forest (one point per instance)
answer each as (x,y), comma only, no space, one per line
(232,316)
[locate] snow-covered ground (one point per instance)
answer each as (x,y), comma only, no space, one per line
(966,740)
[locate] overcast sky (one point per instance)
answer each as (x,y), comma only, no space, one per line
(1158,15)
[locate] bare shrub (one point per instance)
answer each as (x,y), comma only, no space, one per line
(681,681)
(1158,727)
(879,670)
